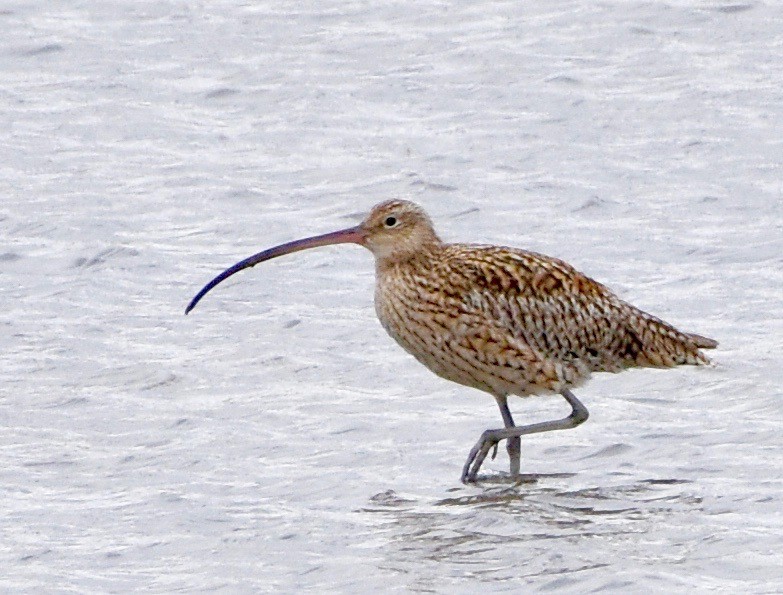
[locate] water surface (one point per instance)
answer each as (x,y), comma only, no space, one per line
(276,440)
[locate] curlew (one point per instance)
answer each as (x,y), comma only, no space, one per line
(501,320)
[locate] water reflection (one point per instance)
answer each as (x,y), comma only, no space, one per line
(504,530)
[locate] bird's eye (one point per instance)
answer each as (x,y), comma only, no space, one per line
(390,222)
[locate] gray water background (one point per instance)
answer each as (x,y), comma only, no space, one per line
(276,440)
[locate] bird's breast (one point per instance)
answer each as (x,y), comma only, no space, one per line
(416,317)
(446,333)
(424,322)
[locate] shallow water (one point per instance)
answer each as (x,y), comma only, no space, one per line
(276,439)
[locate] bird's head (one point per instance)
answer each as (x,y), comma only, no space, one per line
(396,230)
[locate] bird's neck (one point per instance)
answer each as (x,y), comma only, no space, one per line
(422,257)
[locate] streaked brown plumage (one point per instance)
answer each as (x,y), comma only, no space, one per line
(502,320)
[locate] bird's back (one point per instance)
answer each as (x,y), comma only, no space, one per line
(501,308)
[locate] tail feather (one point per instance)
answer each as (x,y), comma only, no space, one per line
(702,342)
(661,345)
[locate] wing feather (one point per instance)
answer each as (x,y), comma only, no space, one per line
(563,314)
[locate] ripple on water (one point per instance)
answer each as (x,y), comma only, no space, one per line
(471,533)
(104,256)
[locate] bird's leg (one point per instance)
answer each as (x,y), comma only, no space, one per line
(491,437)
(512,444)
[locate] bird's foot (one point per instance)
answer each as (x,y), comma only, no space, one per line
(513,447)
(478,453)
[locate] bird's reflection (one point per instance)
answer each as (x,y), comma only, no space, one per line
(506,528)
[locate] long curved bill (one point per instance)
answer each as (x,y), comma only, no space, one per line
(352,235)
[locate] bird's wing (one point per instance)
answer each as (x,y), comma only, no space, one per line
(561,313)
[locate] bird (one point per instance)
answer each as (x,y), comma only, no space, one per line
(505,321)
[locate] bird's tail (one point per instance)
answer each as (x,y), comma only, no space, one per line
(702,342)
(661,345)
